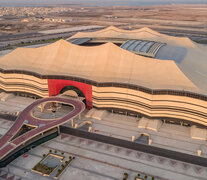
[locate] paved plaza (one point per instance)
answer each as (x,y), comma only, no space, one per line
(15,104)
(96,160)
(170,136)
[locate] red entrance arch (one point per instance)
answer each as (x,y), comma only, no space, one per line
(56,85)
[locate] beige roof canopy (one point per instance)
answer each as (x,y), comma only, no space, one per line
(104,63)
(143,33)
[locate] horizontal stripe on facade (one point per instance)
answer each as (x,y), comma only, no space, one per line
(137,110)
(142,97)
(110,84)
(149,108)
(43,82)
(24,85)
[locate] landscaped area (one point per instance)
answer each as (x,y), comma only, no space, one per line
(64,166)
(52,164)
(46,170)
(138,177)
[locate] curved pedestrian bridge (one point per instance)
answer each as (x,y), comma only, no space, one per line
(29,131)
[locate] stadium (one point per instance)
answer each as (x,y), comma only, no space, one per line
(134,72)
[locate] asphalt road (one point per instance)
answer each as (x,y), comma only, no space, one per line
(26,37)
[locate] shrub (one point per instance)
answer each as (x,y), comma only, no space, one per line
(50,150)
(124,179)
(62,153)
(125,174)
(44,155)
(70,157)
(55,151)
(62,165)
(59,170)
(145,176)
(138,175)
(153,178)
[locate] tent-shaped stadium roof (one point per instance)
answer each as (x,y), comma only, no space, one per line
(143,33)
(104,63)
(189,56)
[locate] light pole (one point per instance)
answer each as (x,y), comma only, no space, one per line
(53,111)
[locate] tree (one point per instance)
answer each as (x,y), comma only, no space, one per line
(62,153)
(50,150)
(44,155)
(62,165)
(70,157)
(145,176)
(55,151)
(138,175)
(153,178)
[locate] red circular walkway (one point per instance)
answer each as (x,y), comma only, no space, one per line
(6,145)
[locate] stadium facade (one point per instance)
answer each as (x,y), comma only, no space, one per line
(133,72)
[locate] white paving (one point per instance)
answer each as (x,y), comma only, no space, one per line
(17,103)
(170,136)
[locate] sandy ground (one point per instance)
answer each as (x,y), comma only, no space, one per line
(181,20)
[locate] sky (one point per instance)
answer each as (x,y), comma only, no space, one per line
(125,2)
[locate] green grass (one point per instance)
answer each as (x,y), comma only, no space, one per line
(43,168)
